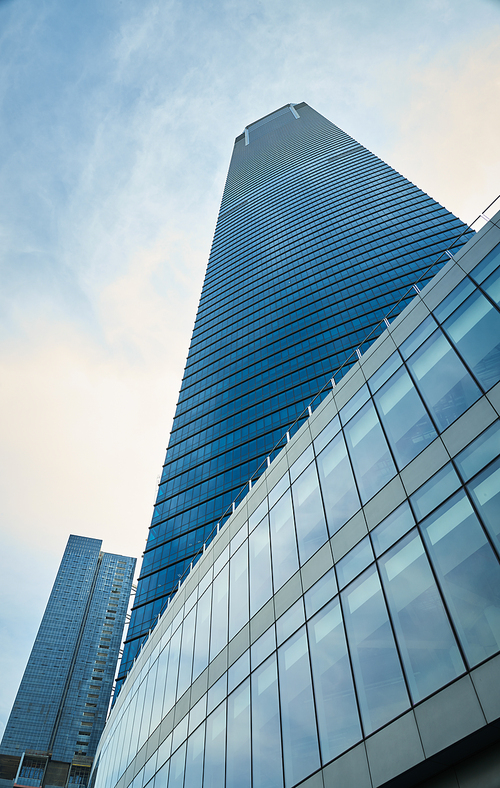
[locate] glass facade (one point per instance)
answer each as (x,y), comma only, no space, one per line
(355,587)
(316,241)
(63,698)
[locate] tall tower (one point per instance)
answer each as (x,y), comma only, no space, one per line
(62,702)
(316,240)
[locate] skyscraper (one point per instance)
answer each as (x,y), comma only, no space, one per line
(62,702)
(316,240)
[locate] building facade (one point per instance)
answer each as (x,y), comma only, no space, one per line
(316,240)
(61,706)
(343,627)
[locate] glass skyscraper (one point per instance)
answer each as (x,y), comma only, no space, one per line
(61,706)
(317,240)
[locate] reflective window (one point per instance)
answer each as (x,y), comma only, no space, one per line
(266,736)
(485,491)
(337,484)
(261,585)
(202,636)
(326,435)
(194,758)
(419,336)
(479,453)
(492,287)
(385,372)
(263,646)
(392,528)
(298,721)
(371,459)
(238,598)
(475,330)
(301,463)
(279,489)
(320,593)
(354,404)
(489,264)
(435,491)
(352,564)
(172,672)
(238,767)
(469,575)
(427,645)
(177,761)
(379,678)
(309,515)
(453,301)
(283,541)
(186,657)
(443,381)
(218,637)
(290,621)
(338,719)
(215,745)
(406,421)
(217,693)
(238,671)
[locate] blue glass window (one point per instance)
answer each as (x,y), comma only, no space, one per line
(215,747)
(392,528)
(266,729)
(337,484)
(371,459)
(238,768)
(261,586)
(475,330)
(309,515)
(485,491)
(283,542)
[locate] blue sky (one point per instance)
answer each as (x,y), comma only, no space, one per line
(117,123)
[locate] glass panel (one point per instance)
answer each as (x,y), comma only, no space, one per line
(161,778)
(262,647)
(475,330)
(164,750)
(186,658)
(238,540)
(385,372)
(238,738)
(194,758)
(327,434)
(469,575)
(487,265)
(309,515)
(354,562)
(446,386)
(453,301)
(404,417)
(379,679)
(479,453)
(420,334)
(283,541)
(370,456)
(160,687)
(354,404)
(492,287)
(303,461)
(392,528)
(266,736)
(173,670)
(321,593)
(218,638)
(197,713)
(238,671)
(337,484)
(261,584)
(238,590)
(180,732)
(221,560)
(177,762)
(427,645)
(217,693)
(202,637)
(338,719)
(258,515)
(435,491)
(290,621)
(279,489)
(215,745)
(485,491)
(298,721)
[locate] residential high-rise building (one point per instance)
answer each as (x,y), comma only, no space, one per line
(316,240)
(61,706)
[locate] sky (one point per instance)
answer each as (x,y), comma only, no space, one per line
(117,120)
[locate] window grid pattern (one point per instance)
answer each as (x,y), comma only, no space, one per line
(317,239)
(405,612)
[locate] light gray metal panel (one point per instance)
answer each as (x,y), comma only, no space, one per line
(408,320)
(288,594)
(349,385)
(217,667)
(377,354)
(494,397)
(448,716)
(239,644)
(424,466)
(394,749)
(181,708)
(384,502)
(349,771)
(299,443)
(486,679)
(262,621)
(348,536)
(443,286)
(323,415)
(199,687)
(316,567)
(468,426)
